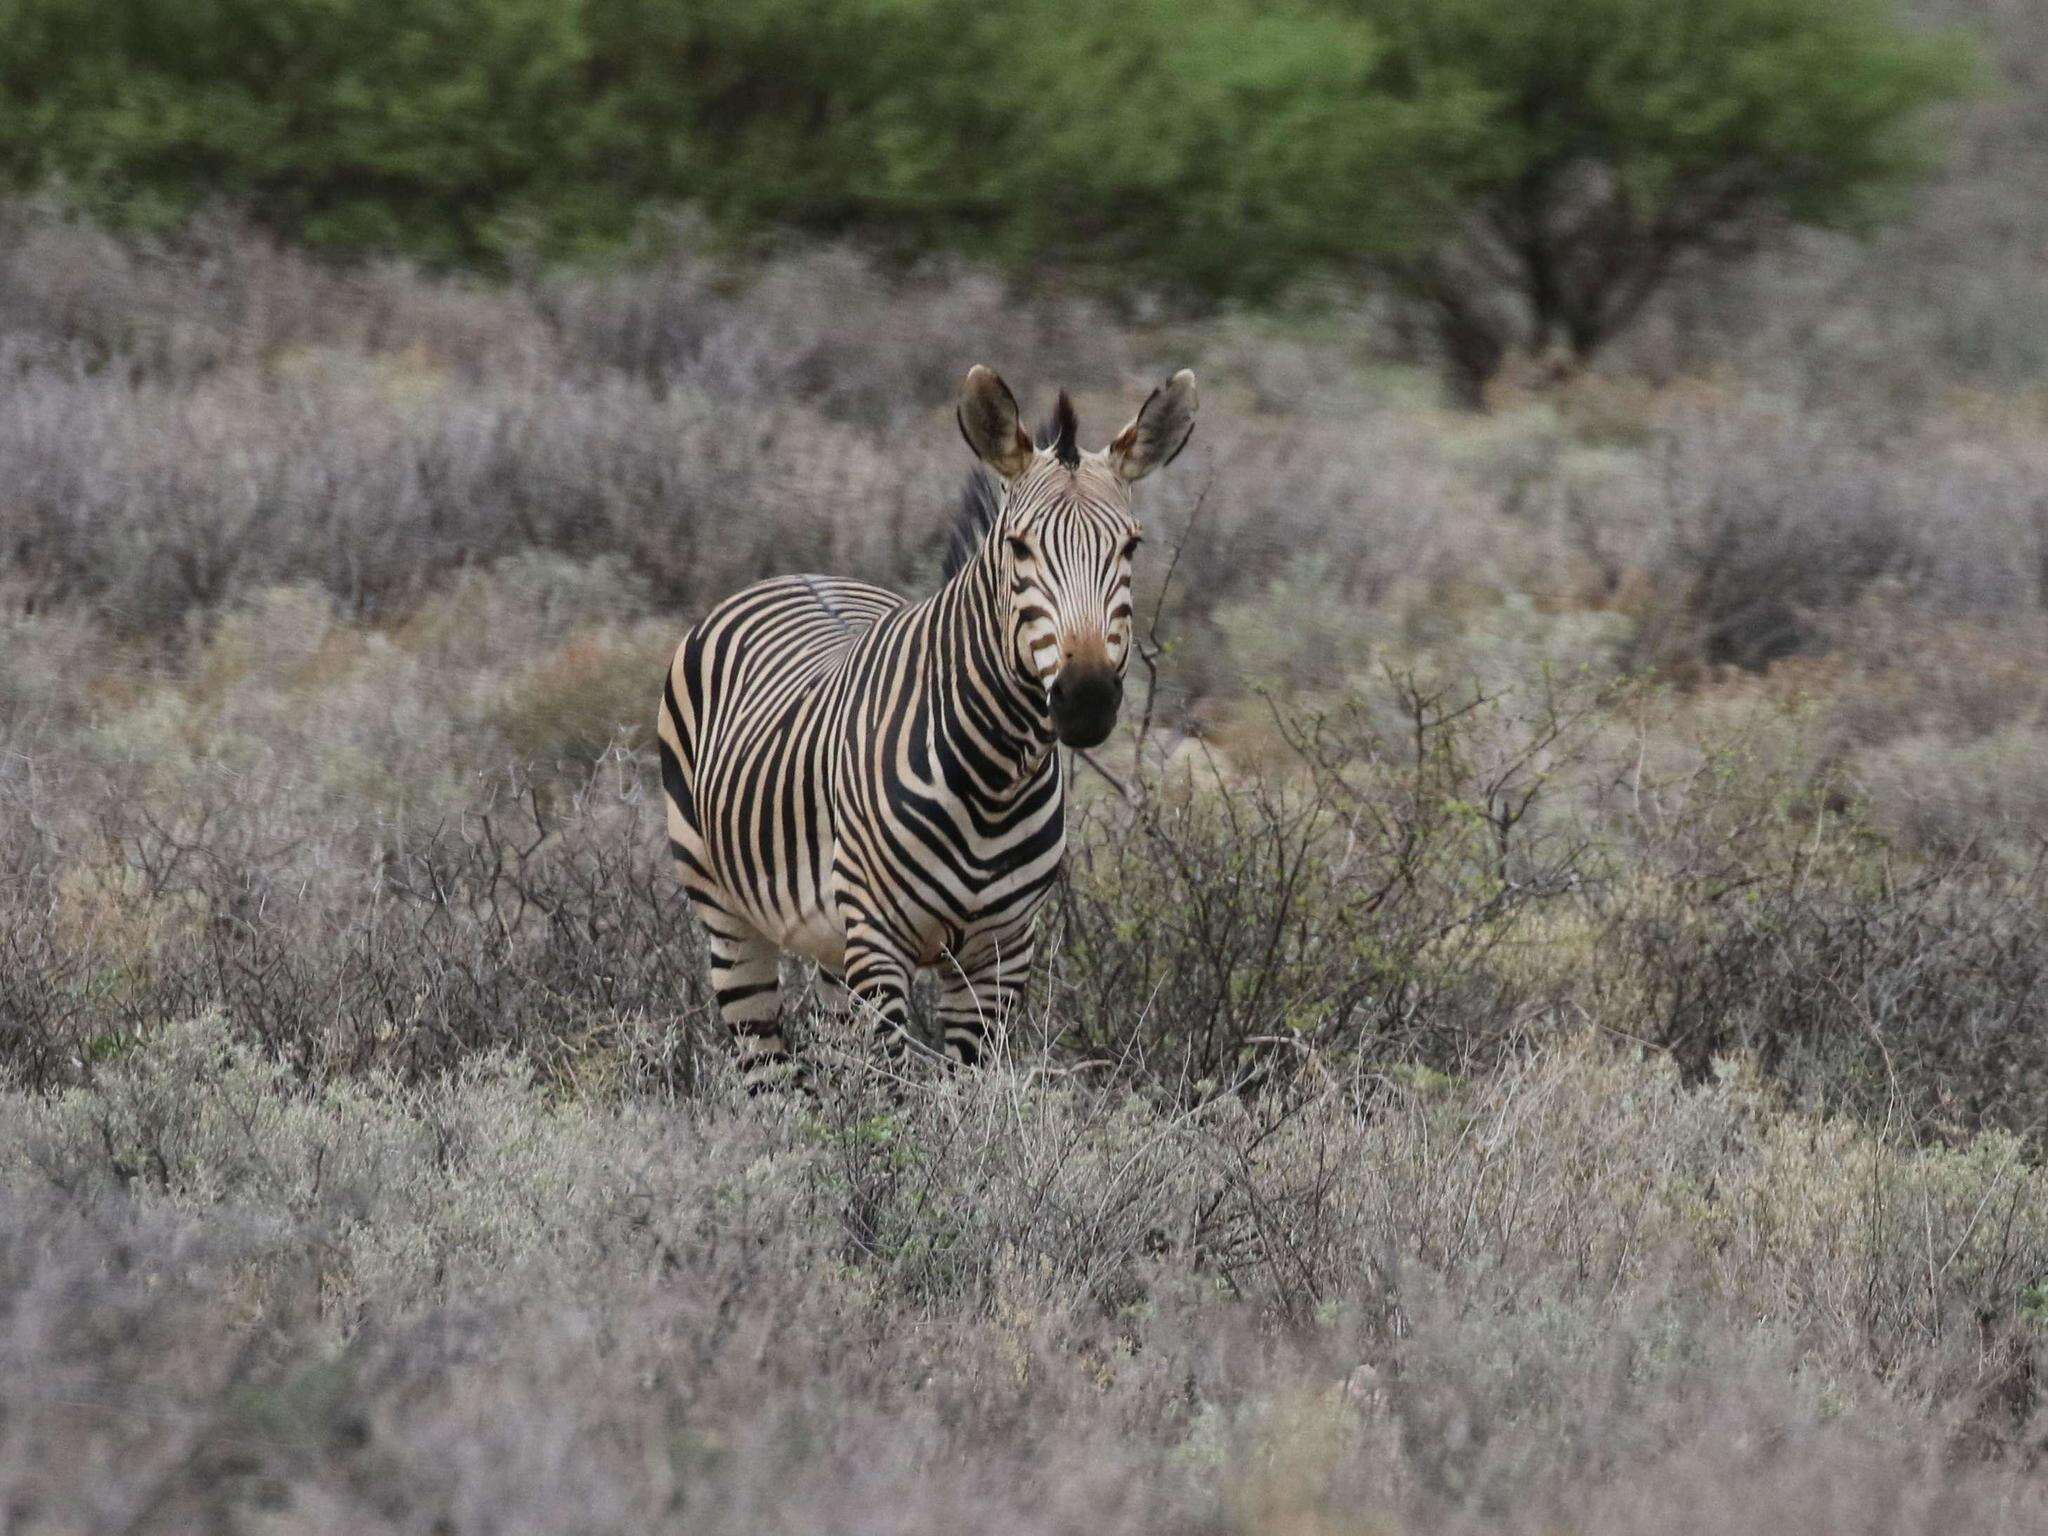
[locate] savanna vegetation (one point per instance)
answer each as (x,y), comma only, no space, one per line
(1543,1031)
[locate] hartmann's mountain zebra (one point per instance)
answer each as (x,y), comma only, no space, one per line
(871,781)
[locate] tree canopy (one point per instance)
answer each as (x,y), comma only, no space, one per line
(1527,171)
(1625,140)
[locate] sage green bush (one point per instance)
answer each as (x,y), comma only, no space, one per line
(1540,1300)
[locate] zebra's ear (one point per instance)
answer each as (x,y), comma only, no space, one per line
(1158,432)
(988,420)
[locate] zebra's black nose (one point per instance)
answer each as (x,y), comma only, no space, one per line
(1084,705)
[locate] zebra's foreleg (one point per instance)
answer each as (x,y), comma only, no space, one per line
(878,975)
(746,979)
(834,1001)
(979,991)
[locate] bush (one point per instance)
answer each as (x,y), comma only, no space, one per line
(1341,910)
(474,128)
(154,505)
(1543,1300)
(369,126)
(1917,1001)
(534,918)
(1766,546)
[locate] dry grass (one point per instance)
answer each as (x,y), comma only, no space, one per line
(1549,1300)
(1545,1027)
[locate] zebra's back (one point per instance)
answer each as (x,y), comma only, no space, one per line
(746,750)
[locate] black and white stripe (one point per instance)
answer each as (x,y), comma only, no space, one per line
(872,782)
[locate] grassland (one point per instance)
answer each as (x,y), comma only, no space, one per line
(1544,1032)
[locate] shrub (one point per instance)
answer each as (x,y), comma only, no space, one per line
(1216,933)
(219,293)
(535,918)
(1937,797)
(1768,536)
(575,704)
(347,127)
(873,346)
(367,125)
(1543,1299)
(1917,999)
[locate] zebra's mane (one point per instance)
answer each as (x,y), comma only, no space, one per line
(976,517)
(978,500)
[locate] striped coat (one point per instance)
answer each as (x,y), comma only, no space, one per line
(872,782)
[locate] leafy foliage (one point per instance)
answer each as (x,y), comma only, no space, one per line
(1162,134)
(1529,172)
(1627,139)
(367,124)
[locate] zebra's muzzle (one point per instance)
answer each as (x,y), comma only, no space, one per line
(1084,705)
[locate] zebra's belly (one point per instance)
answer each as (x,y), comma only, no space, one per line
(816,935)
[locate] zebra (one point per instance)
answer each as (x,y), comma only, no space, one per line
(872,782)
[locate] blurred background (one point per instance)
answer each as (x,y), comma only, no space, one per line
(1605,600)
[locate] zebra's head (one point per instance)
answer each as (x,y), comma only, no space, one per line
(1065,537)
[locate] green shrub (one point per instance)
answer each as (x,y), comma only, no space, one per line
(370,124)
(1206,146)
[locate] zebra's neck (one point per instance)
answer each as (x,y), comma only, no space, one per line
(996,719)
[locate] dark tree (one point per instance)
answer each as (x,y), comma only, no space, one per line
(1628,143)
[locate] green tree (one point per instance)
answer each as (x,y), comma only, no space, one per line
(1213,149)
(427,125)
(1629,142)
(1527,172)
(1224,150)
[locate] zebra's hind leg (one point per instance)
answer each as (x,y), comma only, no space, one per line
(979,991)
(746,979)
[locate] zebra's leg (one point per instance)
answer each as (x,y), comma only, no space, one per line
(878,975)
(832,1032)
(834,1001)
(979,991)
(746,979)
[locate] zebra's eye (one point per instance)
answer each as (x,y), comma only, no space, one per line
(1131,544)
(1019,550)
